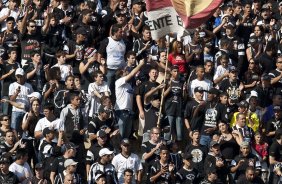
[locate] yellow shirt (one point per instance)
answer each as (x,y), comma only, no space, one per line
(254,118)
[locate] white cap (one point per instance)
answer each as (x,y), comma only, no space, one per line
(35,95)
(97,176)
(105,151)
(19,71)
(69,162)
(253,94)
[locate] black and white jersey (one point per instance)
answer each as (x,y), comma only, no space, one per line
(108,169)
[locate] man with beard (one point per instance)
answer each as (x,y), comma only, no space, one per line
(7,176)
(274,123)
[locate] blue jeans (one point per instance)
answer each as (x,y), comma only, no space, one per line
(176,127)
(5,106)
(111,79)
(16,120)
(124,123)
(205,140)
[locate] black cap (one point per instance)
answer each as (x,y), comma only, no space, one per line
(277,108)
(47,131)
(243,103)
(198,89)
(213,143)
(213,91)
(4,160)
(81,31)
(175,67)
(230,25)
(188,156)
(233,69)
(101,133)
(194,131)
(265,76)
(119,12)
(69,146)
(39,166)
(103,108)
(136,2)
(125,142)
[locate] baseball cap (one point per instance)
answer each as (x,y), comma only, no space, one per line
(69,146)
(101,133)
(213,143)
(39,166)
(233,69)
(230,25)
(47,131)
(102,109)
(4,160)
(265,76)
(81,31)
(119,12)
(280,4)
(35,95)
(125,141)
(69,162)
(198,89)
(89,52)
(244,144)
(243,103)
(105,151)
(136,2)
(19,71)
(188,156)
(277,108)
(213,91)
(97,176)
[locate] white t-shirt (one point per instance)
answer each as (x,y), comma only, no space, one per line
(5,12)
(121,163)
(95,101)
(124,95)
(65,70)
(205,84)
(115,54)
(220,70)
(57,124)
(22,98)
(21,171)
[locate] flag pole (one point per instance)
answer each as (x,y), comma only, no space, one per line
(164,81)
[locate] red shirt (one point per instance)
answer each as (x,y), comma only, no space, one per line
(178,60)
(261,149)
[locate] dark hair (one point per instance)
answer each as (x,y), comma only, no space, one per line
(11,49)
(223,94)
(9,131)
(32,103)
(145,27)
(49,106)
(53,73)
(86,11)
(73,94)
(60,53)
(32,54)
(130,53)
(224,41)
(250,168)
(270,46)
(128,170)
(103,98)
(163,148)
(31,21)
(96,73)
(21,152)
(69,76)
(115,28)
(10,19)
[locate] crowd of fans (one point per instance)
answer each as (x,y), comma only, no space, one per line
(87,96)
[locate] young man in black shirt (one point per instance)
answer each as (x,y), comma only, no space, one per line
(276,76)
(162,171)
(198,153)
(275,155)
(187,174)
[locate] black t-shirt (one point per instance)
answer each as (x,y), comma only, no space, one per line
(146,87)
(94,149)
(30,43)
(151,116)
(53,40)
(38,78)
(256,180)
(232,88)
(10,39)
(9,178)
(185,176)
(164,178)
(174,101)
(249,161)
(273,125)
(212,115)
(275,151)
(95,124)
(188,114)
(5,68)
(266,63)
(146,148)
(265,96)
(199,154)
(278,84)
(58,165)
(229,149)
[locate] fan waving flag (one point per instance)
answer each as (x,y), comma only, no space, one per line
(173,16)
